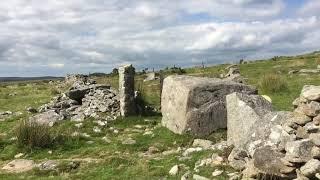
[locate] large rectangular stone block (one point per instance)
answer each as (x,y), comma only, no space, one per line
(196,105)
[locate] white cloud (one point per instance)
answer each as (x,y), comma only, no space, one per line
(58,37)
(312,7)
(56,65)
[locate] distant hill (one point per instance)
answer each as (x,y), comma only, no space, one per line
(9,79)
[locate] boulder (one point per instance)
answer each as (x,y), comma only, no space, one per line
(311,93)
(243,111)
(196,105)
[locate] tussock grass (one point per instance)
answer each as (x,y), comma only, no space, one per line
(33,135)
(273,83)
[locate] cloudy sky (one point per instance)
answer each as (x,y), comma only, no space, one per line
(55,37)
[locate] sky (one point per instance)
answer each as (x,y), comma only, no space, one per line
(57,37)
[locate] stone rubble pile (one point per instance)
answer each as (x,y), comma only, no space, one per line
(285,145)
(233,74)
(84,99)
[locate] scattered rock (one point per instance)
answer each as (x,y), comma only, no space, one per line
(129,141)
(48,165)
(205,144)
(174,170)
(32,110)
(191,150)
(18,155)
(217,172)
(198,177)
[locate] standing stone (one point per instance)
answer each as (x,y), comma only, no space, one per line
(196,105)
(126,90)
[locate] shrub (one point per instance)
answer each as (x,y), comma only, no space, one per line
(33,135)
(273,83)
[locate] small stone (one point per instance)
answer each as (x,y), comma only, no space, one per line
(217,172)
(148,133)
(78,125)
(48,165)
(19,155)
(311,168)
(316,120)
(115,131)
(96,129)
(315,138)
(153,150)
(315,152)
(90,142)
(311,109)
(198,177)
(106,139)
(302,133)
(101,123)
(300,119)
(85,135)
(174,170)
(205,144)
(129,141)
(186,176)
(191,150)
(138,126)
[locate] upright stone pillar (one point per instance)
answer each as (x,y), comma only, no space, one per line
(126,90)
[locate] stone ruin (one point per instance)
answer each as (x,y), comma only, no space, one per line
(284,145)
(84,99)
(196,105)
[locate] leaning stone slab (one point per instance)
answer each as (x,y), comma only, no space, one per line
(197,105)
(243,111)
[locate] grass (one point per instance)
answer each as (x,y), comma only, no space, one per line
(114,160)
(273,83)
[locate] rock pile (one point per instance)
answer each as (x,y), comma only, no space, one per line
(84,99)
(234,74)
(277,144)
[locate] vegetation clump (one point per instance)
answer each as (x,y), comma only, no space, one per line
(32,135)
(273,83)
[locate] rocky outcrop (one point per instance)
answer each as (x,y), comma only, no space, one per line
(197,105)
(282,144)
